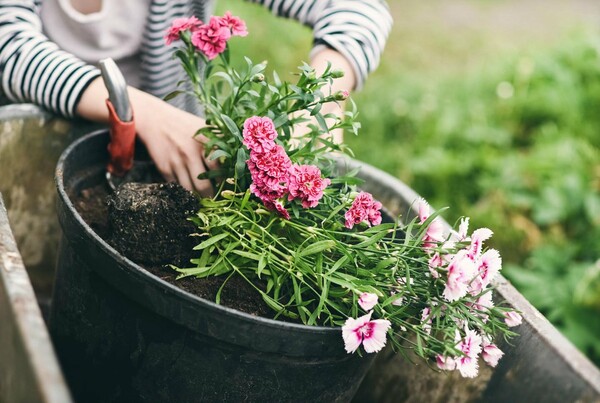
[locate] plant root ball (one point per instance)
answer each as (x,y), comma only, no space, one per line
(149,222)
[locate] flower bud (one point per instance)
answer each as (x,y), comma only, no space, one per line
(337,73)
(341,95)
(258,77)
(228,194)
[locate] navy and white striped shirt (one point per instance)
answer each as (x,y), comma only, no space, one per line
(33,69)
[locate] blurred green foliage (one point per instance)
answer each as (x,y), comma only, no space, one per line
(514,144)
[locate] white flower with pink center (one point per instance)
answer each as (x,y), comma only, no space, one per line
(435,231)
(479,236)
(367,300)
(489,264)
(445,363)
(426,319)
(491,354)
(470,345)
(461,271)
(512,318)
(371,333)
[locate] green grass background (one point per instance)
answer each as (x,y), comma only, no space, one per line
(491,108)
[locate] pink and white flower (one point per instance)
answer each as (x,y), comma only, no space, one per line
(435,231)
(371,333)
(470,345)
(489,264)
(426,319)
(491,354)
(479,236)
(461,271)
(512,318)
(483,305)
(445,363)
(305,183)
(364,208)
(367,300)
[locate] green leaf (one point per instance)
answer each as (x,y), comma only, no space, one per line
(317,247)
(172,95)
(211,241)
(231,126)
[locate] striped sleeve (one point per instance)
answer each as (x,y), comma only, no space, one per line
(358,29)
(32,68)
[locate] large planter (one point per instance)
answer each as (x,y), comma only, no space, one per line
(123,334)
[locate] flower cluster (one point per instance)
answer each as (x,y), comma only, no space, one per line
(273,174)
(210,38)
(292,222)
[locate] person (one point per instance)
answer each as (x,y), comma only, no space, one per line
(49,50)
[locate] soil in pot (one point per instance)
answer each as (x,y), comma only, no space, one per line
(148,223)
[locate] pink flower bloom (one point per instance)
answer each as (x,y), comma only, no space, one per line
(471,347)
(367,300)
(489,264)
(306,184)
(435,232)
(479,236)
(270,173)
(259,134)
(426,319)
(211,39)
(445,363)
(371,333)
(491,353)
(235,24)
(434,262)
(277,205)
(403,283)
(179,25)
(364,208)
(483,305)
(463,229)
(512,318)
(460,273)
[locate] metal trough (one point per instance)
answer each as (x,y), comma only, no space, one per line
(541,365)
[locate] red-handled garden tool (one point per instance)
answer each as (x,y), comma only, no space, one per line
(122,126)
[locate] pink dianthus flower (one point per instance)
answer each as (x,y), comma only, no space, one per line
(364,208)
(461,271)
(435,231)
(259,134)
(305,183)
(371,333)
(270,174)
(211,39)
(367,300)
(471,347)
(235,24)
(179,25)
(512,318)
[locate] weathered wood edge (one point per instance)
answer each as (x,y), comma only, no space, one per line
(29,370)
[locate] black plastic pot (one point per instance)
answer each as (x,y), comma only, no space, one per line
(123,334)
